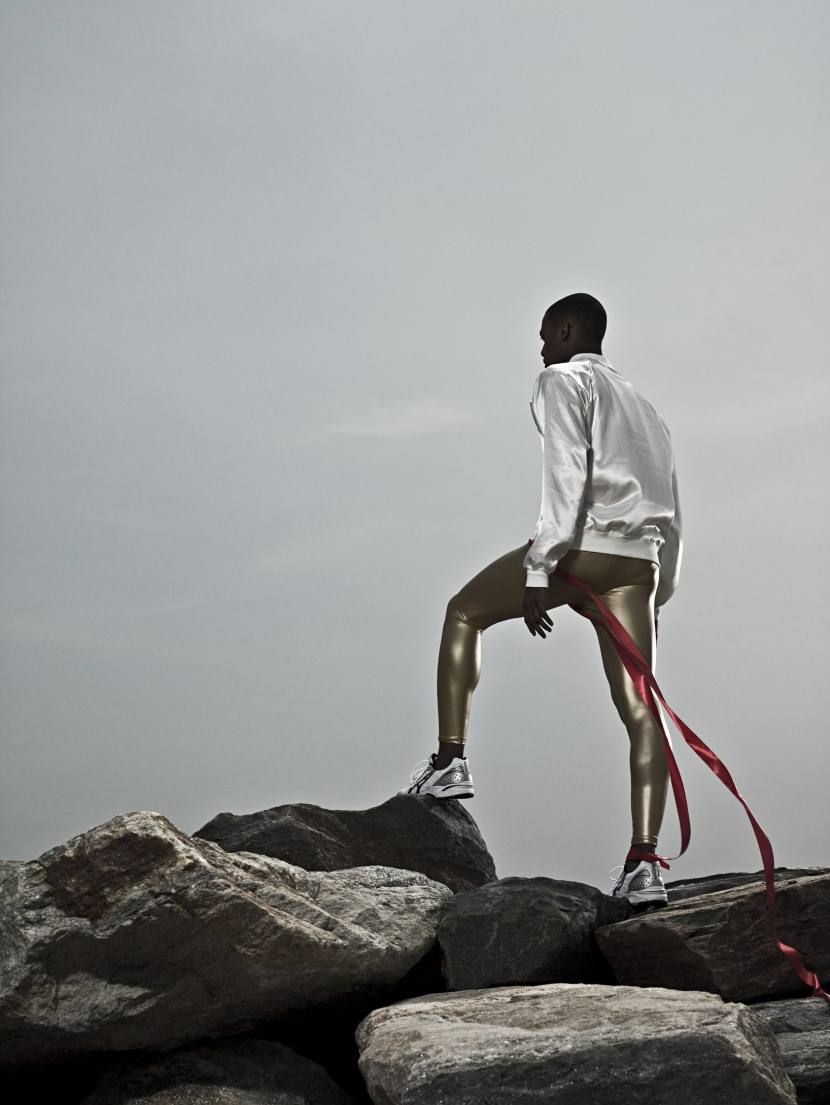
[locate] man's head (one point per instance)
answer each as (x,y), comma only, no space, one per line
(575,324)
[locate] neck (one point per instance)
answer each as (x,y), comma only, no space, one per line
(587,348)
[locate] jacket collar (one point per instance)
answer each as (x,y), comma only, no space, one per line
(594,357)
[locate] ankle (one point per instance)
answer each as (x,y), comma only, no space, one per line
(647,849)
(447,752)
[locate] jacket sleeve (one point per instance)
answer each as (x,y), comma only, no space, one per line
(670,554)
(564,475)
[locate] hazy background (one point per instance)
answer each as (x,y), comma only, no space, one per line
(274,273)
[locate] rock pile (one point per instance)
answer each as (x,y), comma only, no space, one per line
(302,955)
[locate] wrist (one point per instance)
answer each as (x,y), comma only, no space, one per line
(537,577)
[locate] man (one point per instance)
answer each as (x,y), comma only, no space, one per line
(610,517)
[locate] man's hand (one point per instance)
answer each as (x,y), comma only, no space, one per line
(535,612)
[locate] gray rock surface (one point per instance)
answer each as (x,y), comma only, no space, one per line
(134,936)
(231,1072)
(721,943)
(802,1029)
(680,889)
(567,1044)
(437,837)
(521,930)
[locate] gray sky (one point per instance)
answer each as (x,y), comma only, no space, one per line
(273,279)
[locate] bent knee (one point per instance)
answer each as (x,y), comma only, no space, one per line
(460,612)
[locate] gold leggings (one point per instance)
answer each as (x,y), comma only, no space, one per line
(627,586)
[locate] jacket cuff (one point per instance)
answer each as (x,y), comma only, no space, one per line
(537,577)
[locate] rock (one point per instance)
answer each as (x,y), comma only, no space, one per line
(721,943)
(231,1072)
(565,1044)
(681,889)
(521,930)
(134,936)
(802,1029)
(437,837)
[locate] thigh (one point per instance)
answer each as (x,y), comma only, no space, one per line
(628,592)
(496,593)
(634,607)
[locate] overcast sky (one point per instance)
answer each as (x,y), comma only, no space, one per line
(273,278)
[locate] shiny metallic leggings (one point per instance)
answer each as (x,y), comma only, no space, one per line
(627,586)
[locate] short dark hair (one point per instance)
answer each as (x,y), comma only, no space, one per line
(581,309)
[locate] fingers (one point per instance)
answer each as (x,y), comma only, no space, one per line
(534,628)
(536,618)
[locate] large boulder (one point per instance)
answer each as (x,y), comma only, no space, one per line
(720,942)
(521,930)
(802,1029)
(135,936)
(437,837)
(233,1072)
(680,889)
(570,1044)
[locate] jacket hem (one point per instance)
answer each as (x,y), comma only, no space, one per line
(640,548)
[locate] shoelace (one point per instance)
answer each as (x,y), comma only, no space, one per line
(617,874)
(614,877)
(415,779)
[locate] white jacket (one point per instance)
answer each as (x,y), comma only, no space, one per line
(608,474)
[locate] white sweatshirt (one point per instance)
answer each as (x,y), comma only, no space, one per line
(608,475)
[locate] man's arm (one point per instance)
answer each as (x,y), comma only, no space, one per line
(564,475)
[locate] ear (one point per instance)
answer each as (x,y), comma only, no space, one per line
(564,331)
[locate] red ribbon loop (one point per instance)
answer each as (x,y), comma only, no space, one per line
(650,856)
(643,678)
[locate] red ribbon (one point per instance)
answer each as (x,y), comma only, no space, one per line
(643,678)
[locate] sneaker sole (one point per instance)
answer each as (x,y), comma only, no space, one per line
(648,897)
(445,792)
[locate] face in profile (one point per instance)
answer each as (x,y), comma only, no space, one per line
(552,351)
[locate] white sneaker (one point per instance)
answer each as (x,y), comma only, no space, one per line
(454,781)
(642,886)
